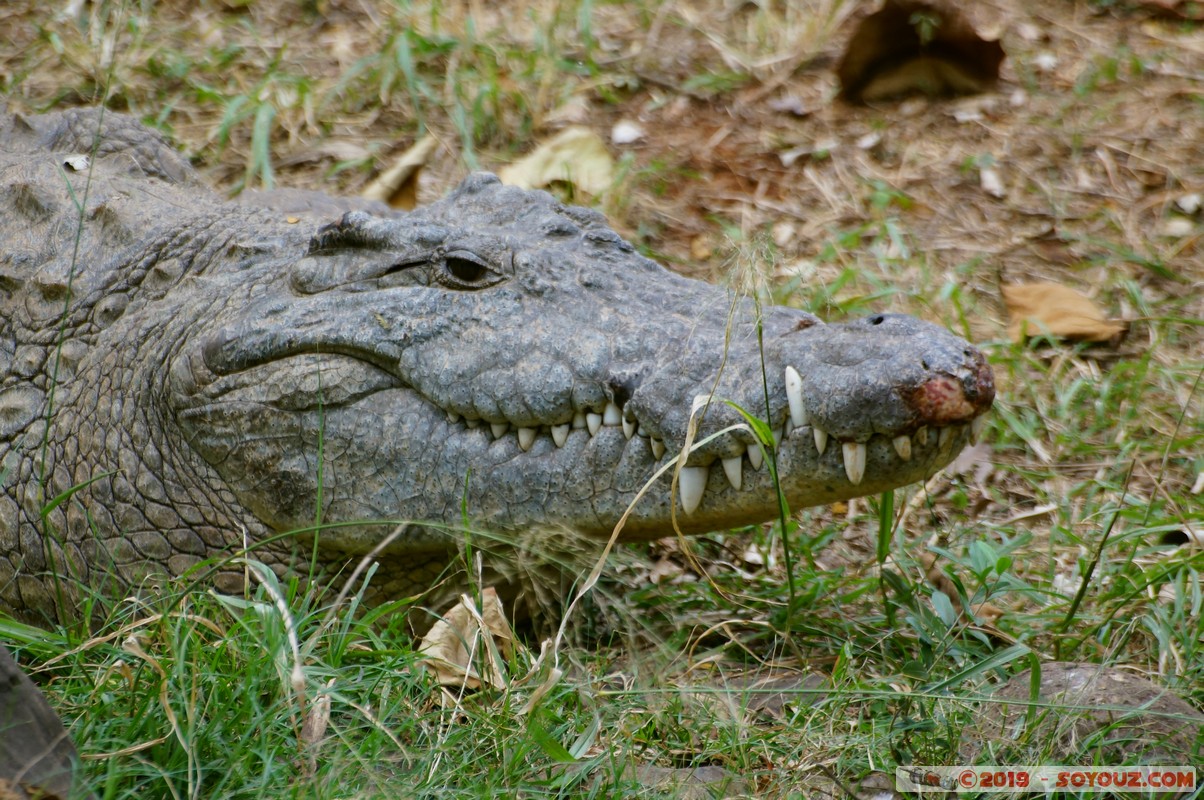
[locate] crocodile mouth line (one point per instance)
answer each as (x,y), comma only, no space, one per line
(947,413)
(942,412)
(693,480)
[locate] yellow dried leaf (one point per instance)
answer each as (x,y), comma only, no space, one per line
(576,155)
(466,646)
(398,185)
(1036,308)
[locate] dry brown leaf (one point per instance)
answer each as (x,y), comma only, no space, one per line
(1174,9)
(977,461)
(909,47)
(398,185)
(466,646)
(313,728)
(663,570)
(576,155)
(1036,308)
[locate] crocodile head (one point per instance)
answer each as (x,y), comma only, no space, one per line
(501,357)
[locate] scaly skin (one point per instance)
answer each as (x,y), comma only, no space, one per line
(227,369)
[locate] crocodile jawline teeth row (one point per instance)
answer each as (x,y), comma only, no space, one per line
(692,480)
(610,417)
(854,455)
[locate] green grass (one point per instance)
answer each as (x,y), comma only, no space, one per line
(1092,453)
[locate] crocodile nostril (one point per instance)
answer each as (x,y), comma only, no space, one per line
(622,387)
(924,364)
(877,319)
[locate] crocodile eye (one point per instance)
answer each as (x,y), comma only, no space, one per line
(465,271)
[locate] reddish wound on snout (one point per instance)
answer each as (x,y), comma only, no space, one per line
(941,401)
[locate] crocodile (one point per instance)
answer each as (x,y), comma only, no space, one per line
(185,378)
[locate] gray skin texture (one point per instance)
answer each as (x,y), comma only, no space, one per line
(209,375)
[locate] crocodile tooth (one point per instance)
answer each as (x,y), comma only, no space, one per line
(854,461)
(472,423)
(977,427)
(794,396)
(611,415)
(560,434)
(821,439)
(593,422)
(945,437)
(578,420)
(526,438)
(902,446)
(630,426)
(922,435)
(658,447)
(734,469)
(453,417)
(755,456)
(499,429)
(691,485)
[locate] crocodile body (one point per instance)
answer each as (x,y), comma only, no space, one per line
(189,376)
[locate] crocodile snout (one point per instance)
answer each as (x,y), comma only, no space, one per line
(951,399)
